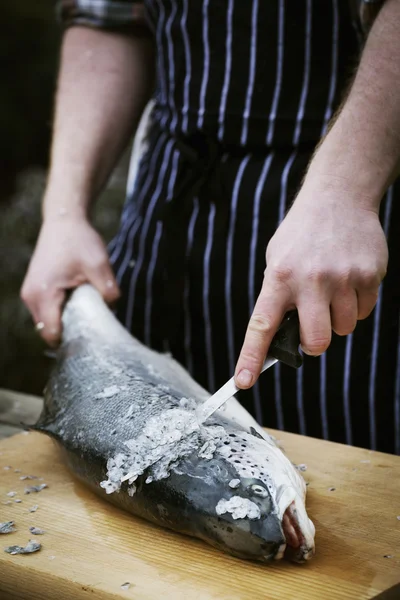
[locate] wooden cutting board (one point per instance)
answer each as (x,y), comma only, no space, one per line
(91,548)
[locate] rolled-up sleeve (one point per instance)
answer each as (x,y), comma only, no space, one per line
(102,14)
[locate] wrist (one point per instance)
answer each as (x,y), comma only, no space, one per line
(345,165)
(66,204)
(330,188)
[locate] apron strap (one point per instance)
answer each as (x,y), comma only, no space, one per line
(200,157)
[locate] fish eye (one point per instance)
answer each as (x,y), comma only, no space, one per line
(259,490)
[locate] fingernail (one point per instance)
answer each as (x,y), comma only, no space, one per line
(109,283)
(244,377)
(304,350)
(309,353)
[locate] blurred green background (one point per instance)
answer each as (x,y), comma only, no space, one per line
(29,50)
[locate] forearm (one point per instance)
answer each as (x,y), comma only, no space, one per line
(361,152)
(105,80)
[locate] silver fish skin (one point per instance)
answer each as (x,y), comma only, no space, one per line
(225,482)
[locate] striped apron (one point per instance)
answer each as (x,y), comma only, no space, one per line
(244,92)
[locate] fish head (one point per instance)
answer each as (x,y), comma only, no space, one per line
(240,521)
(220,482)
(246,499)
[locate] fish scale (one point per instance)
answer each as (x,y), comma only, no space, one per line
(110,402)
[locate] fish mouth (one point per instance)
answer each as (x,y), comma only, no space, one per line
(273,536)
(298,547)
(248,539)
(266,540)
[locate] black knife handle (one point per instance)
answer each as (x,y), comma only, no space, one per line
(285,344)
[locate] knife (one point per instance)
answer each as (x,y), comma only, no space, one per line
(284,348)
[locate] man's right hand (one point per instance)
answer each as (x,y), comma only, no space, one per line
(105,81)
(69,252)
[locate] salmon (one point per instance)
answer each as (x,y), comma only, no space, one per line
(110,402)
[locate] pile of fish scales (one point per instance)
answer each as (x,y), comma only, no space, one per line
(165,439)
(176,433)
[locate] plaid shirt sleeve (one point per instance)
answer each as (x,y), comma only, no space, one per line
(104,14)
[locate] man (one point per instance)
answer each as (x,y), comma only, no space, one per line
(243,93)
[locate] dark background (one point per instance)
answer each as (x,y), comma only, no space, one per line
(30,38)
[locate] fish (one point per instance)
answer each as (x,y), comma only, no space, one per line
(116,407)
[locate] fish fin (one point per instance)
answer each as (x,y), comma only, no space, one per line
(237,413)
(255,433)
(45,421)
(44,427)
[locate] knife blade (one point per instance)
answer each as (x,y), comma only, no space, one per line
(284,347)
(227,391)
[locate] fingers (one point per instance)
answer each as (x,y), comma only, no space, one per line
(315,322)
(67,255)
(50,315)
(268,313)
(319,314)
(45,304)
(45,307)
(344,311)
(366,302)
(103,279)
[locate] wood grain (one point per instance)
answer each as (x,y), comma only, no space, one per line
(90,548)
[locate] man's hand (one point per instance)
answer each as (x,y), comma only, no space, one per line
(69,252)
(329,255)
(104,83)
(328,259)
